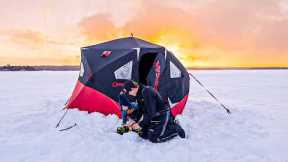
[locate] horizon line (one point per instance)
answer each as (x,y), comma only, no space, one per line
(189,68)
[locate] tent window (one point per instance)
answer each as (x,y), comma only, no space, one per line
(124,72)
(174,71)
(145,64)
(81,70)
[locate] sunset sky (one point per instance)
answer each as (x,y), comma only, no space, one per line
(205,33)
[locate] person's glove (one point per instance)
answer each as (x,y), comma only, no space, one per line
(133,125)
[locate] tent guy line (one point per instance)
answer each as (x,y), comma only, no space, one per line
(211,94)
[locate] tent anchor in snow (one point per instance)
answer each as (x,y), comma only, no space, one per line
(59,122)
(67,128)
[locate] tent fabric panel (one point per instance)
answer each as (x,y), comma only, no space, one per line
(124,43)
(104,80)
(174,88)
(96,62)
(179,107)
(91,100)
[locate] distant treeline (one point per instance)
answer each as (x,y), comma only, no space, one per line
(77,68)
(236,68)
(39,68)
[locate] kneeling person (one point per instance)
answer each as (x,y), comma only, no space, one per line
(150,111)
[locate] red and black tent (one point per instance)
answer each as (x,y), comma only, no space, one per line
(106,66)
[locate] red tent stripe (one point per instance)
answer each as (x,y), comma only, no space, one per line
(88,99)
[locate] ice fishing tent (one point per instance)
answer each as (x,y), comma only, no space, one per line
(105,67)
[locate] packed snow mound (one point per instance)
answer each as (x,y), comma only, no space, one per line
(255,131)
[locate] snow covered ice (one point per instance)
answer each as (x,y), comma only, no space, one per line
(257,129)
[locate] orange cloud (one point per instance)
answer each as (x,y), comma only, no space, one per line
(26,37)
(97,27)
(169,30)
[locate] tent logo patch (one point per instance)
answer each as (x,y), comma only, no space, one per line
(117,84)
(106,53)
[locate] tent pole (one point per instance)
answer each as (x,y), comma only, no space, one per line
(213,96)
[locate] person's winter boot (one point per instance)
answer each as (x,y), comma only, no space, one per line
(179,129)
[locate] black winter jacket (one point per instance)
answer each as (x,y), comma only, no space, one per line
(151,104)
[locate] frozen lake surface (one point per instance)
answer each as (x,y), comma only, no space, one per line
(257,129)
